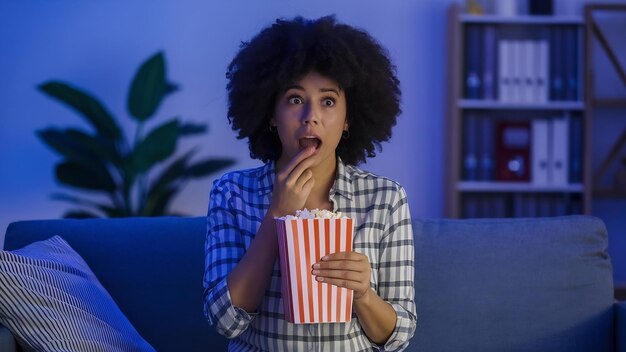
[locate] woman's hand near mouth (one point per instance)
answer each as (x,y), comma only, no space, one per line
(293,184)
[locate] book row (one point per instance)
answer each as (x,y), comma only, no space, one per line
(491,205)
(543,151)
(510,68)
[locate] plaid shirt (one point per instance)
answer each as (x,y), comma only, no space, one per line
(238,203)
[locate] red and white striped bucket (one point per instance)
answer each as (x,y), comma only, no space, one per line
(302,242)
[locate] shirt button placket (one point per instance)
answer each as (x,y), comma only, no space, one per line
(312,337)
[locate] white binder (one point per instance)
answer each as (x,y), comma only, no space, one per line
(560,151)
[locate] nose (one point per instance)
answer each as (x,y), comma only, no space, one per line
(310,114)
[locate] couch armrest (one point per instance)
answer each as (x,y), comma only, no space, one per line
(7,342)
(620,326)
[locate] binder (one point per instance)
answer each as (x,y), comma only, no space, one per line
(470,148)
(541,70)
(540,153)
(527,66)
(561,205)
(489,63)
(471,206)
(513,151)
(570,64)
(487,149)
(560,150)
(504,73)
(516,62)
(499,206)
(540,7)
(544,205)
(557,85)
(473,79)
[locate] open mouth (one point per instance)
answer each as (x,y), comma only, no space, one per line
(310,142)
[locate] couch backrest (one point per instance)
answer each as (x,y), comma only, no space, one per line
(152,267)
(542,284)
(481,285)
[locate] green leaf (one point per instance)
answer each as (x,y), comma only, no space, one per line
(79,214)
(168,184)
(173,173)
(112,212)
(79,146)
(158,203)
(158,145)
(90,108)
(74,200)
(93,176)
(62,144)
(169,179)
(148,88)
(208,166)
(189,129)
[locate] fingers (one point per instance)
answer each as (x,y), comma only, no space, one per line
(351,275)
(341,265)
(356,280)
(306,182)
(345,269)
(353,284)
(295,166)
(349,255)
(302,179)
(293,184)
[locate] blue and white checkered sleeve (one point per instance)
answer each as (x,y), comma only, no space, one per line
(224,247)
(396,272)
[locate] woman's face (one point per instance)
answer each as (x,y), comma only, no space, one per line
(311,112)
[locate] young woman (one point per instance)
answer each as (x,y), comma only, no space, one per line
(313,99)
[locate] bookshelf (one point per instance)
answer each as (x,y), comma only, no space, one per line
(516,116)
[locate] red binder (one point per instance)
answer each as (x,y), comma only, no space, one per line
(513,151)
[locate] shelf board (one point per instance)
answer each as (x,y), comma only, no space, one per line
(498,105)
(488,186)
(523,19)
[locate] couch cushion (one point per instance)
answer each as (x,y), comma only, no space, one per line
(51,301)
(152,267)
(541,284)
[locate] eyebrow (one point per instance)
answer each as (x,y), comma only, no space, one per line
(322,90)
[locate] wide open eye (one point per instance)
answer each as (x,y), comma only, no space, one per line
(328,102)
(294,99)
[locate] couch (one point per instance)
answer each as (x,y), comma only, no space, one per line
(540,284)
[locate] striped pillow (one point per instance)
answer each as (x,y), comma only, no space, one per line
(51,301)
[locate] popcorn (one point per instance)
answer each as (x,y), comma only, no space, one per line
(314,214)
(304,239)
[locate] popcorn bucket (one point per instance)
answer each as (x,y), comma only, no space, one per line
(302,242)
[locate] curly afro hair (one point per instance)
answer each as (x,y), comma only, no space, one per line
(286,51)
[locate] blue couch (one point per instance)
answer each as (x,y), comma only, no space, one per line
(542,284)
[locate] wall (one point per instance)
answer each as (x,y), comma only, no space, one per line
(98,46)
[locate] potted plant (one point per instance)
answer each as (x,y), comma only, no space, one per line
(102,161)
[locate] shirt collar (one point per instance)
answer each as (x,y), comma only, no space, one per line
(342,184)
